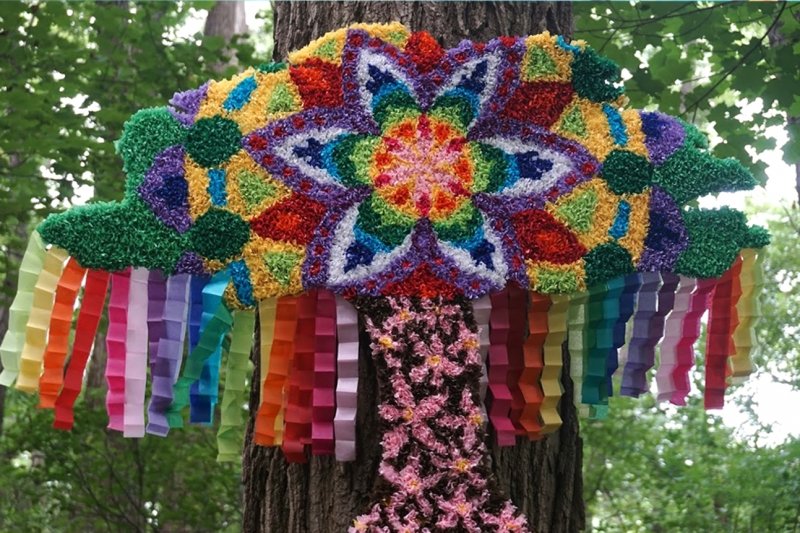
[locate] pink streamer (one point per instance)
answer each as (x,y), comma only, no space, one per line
(499,393)
(324,396)
(116,339)
(689,332)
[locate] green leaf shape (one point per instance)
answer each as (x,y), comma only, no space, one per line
(594,76)
(540,63)
(626,172)
(554,281)
(254,189)
(212,141)
(393,107)
(351,158)
(281,100)
(578,212)
(490,167)
(606,262)
(690,173)
(147,133)
(715,238)
(113,236)
(455,109)
(219,234)
(573,122)
(461,225)
(281,265)
(384,222)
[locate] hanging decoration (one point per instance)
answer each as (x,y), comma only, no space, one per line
(480,213)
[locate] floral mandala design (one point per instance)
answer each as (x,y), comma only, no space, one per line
(422,170)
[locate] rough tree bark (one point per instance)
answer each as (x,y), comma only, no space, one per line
(542,478)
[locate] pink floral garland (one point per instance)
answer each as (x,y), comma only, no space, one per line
(434,472)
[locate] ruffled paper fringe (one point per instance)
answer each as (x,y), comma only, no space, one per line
(309,350)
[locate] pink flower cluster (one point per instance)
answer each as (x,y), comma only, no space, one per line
(434,471)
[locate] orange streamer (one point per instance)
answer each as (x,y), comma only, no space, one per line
(55,354)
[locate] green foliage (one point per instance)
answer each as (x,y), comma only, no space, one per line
(649,469)
(71,74)
(702,61)
(95,480)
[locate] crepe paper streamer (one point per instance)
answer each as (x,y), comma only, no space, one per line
(344,422)
(55,355)
(553,362)
(269,419)
(324,392)
(196,325)
(668,350)
(116,348)
(30,363)
(627,304)
(166,361)
(482,310)
(517,311)
(500,399)
(205,391)
(156,303)
(687,335)
(234,398)
(598,331)
(94,298)
(217,321)
(722,322)
(266,333)
(530,379)
(641,351)
(749,312)
(136,360)
(18,313)
(297,421)
(577,341)
(197,285)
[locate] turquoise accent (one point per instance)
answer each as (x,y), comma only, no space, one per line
(240,275)
(240,94)
(618,131)
(216,187)
(620,227)
(566,46)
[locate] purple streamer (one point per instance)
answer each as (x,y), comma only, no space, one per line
(169,351)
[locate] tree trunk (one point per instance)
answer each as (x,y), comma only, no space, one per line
(542,478)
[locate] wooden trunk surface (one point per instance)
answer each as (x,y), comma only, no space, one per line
(542,478)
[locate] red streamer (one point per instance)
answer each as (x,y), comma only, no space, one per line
(94,297)
(324,395)
(722,321)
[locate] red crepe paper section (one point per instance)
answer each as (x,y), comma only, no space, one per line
(324,395)
(722,321)
(94,298)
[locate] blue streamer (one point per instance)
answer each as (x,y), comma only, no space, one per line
(204,393)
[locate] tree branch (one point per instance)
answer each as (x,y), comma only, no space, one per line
(738,64)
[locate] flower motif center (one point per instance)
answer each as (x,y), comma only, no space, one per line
(423,169)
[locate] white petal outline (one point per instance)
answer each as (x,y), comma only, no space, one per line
(468,266)
(368,58)
(562,166)
(285,150)
(344,236)
(490,80)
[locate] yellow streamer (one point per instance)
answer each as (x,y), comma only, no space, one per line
(576,324)
(749,311)
(14,341)
(266,318)
(551,373)
(44,292)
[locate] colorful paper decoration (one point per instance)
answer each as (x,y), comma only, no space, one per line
(477,210)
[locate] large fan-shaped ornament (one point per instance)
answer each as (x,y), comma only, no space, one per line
(476,207)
